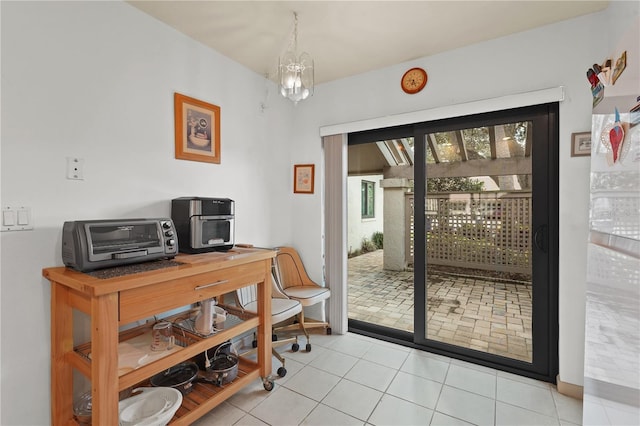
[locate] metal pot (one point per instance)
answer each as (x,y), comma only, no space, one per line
(179,376)
(224,366)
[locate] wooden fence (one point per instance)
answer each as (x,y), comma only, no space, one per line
(489,230)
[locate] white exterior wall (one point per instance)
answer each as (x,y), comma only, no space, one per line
(96,79)
(359,228)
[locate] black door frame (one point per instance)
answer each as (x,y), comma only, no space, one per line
(545,222)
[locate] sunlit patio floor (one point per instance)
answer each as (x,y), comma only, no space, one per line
(473,312)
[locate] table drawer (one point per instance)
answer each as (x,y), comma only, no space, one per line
(141,302)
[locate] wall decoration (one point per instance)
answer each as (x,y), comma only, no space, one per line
(197,127)
(580,144)
(621,64)
(303,176)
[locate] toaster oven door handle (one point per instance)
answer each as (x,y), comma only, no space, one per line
(130,254)
(200,287)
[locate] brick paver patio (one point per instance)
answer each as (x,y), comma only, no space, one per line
(473,312)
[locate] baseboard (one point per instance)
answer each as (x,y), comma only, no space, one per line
(569,389)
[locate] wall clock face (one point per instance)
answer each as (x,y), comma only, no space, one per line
(414,80)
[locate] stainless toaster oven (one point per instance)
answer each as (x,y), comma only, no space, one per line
(95,244)
(204,224)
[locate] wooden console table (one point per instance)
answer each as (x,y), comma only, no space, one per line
(114,302)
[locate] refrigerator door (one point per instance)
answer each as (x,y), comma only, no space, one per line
(612,332)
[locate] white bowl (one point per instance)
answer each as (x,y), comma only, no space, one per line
(151,407)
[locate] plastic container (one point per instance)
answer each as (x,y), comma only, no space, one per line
(150,407)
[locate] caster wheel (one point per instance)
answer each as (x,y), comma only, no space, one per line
(308,347)
(295,347)
(254,344)
(329,331)
(268,385)
(282,371)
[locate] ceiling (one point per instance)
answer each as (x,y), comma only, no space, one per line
(346,38)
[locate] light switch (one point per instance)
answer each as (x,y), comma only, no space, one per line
(8,218)
(16,218)
(23,217)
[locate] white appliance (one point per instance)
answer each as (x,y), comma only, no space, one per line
(612,316)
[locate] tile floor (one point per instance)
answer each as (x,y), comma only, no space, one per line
(356,380)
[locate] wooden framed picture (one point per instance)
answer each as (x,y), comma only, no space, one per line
(580,144)
(197,127)
(303,175)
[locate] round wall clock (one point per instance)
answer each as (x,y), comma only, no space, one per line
(414,80)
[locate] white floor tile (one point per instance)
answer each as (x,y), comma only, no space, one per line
(427,367)
(284,407)
(510,415)
(353,398)
(312,383)
(334,362)
(250,396)
(249,420)
(471,380)
(371,374)
(568,409)
(467,406)
(415,389)
(323,415)
(357,380)
(527,396)
(305,357)
(352,345)
(398,412)
(440,419)
(224,414)
(386,356)
(523,379)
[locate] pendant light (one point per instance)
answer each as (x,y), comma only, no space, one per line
(295,72)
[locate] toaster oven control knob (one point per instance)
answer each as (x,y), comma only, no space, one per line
(169,233)
(166,225)
(171,242)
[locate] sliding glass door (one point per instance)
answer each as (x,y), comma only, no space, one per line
(479,208)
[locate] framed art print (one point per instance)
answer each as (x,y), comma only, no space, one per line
(197,127)
(580,144)
(303,175)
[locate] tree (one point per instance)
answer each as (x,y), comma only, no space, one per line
(454,184)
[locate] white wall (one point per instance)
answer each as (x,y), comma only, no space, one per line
(96,80)
(552,56)
(360,228)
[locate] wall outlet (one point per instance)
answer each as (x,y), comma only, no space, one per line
(75,168)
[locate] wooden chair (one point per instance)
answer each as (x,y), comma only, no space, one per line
(294,282)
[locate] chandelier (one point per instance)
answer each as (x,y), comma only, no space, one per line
(295,72)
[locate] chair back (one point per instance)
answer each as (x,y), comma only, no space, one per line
(245,296)
(290,271)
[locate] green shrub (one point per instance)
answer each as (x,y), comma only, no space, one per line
(378,239)
(367,246)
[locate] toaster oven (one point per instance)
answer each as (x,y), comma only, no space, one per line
(95,244)
(204,224)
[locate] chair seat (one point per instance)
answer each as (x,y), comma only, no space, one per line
(308,295)
(281,309)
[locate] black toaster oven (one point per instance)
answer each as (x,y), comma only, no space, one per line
(95,244)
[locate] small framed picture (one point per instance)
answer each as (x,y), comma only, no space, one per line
(197,127)
(580,144)
(303,175)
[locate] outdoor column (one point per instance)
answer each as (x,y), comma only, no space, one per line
(395,232)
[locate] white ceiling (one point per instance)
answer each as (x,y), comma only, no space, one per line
(351,37)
